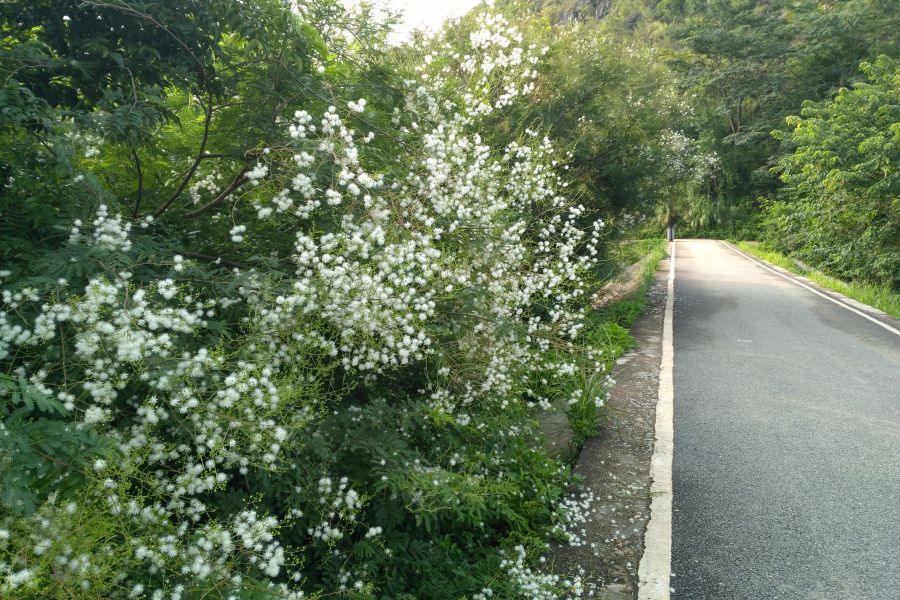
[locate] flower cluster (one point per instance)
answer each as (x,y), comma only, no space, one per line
(108,232)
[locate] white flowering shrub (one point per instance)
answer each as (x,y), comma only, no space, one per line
(349,414)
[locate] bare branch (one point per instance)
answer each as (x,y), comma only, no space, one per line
(140,191)
(214,259)
(190,173)
(14,71)
(239,180)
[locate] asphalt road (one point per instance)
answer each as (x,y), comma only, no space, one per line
(786,470)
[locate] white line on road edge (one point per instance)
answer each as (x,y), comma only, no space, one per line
(655,570)
(814,291)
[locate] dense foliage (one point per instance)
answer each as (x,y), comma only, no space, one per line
(843,208)
(280,302)
(754,63)
(747,66)
(820,187)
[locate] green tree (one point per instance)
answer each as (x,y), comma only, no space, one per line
(167,105)
(843,183)
(753,63)
(612,108)
(736,58)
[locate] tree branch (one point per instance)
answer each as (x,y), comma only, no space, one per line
(16,70)
(44,144)
(206,84)
(133,90)
(239,180)
(197,161)
(59,462)
(127,9)
(140,190)
(214,259)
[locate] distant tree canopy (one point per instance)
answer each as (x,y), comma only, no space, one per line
(755,63)
(749,68)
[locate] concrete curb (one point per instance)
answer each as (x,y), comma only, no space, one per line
(622,286)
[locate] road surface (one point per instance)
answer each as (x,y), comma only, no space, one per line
(786,469)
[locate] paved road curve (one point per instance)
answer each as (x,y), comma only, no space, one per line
(786,470)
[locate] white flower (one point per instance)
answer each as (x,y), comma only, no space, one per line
(95,414)
(236,232)
(358,106)
(364,294)
(257,173)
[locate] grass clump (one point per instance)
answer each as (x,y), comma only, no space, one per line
(623,313)
(776,258)
(585,394)
(632,252)
(612,339)
(880,297)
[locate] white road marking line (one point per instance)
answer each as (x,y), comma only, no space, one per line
(814,291)
(655,570)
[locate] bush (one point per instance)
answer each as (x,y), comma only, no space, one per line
(839,209)
(333,395)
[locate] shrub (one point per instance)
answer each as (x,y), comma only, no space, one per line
(342,412)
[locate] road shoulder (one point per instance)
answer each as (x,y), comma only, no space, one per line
(616,464)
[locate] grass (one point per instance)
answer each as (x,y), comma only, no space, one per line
(585,394)
(607,331)
(612,338)
(879,297)
(657,251)
(634,251)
